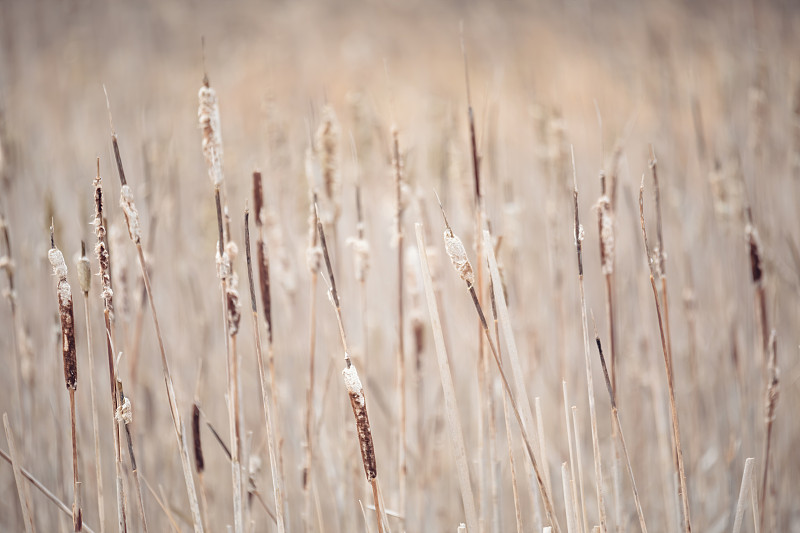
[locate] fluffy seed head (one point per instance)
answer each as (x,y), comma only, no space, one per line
(606,223)
(131,213)
(458,256)
(67,319)
(359,405)
(208,115)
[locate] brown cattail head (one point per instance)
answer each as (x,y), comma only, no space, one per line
(101,249)
(359,405)
(754,245)
(225,271)
(198,448)
(208,115)
(258,198)
(84,270)
(458,256)
(261,250)
(66,314)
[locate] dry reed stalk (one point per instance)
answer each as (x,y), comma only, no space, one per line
(770,404)
(568,501)
(542,443)
(451,403)
(85,278)
(458,257)
(744,490)
(598,465)
(231,317)
(502,312)
(354,388)
(655,263)
(266,300)
(506,418)
(397,167)
(20,352)
(124,415)
(578,455)
(578,525)
(618,432)
(273,446)
(44,490)
(484,383)
(313,259)
(65,311)
(103,259)
(135,234)
(27,517)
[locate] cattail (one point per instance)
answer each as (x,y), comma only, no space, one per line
(131,213)
(359,405)
(458,256)
(67,318)
(84,270)
(606,223)
(327,147)
(124,413)
(199,463)
(208,115)
(754,247)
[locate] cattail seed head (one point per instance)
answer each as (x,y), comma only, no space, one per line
(208,115)
(458,256)
(359,405)
(84,270)
(754,246)
(199,463)
(124,414)
(131,213)
(606,223)
(360,257)
(327,145)
(67,319)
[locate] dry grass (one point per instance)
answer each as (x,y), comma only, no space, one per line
(300,92)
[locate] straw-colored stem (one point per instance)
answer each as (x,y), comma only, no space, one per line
(77,515)
(95,430)
(27,518)
(277,481)
(744,490)
(579,455)
(578,525)
(309,415)
(134,467)
(39,485)
(568,502)
(511,346)
(451,403)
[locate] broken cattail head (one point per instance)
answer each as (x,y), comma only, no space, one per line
(327,145)
(361,257)
(66,315)
(124,414)
(458,256)
(131,214)
(208,115)
(199,463)
(606,223)
(754,245)
(359,405)
(84,270)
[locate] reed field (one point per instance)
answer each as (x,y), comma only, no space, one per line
(400,266)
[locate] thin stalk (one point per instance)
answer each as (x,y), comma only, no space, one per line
(277,480)
(618,426)
(39,485)
(598,465)
(773,390)
(451,403)
(85,278)
(27,518)
(743,493)
(578,455)
(578,525)
(397,166)
(103,258)
(354,388)
(676,434)
(132,455)
(134,231)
